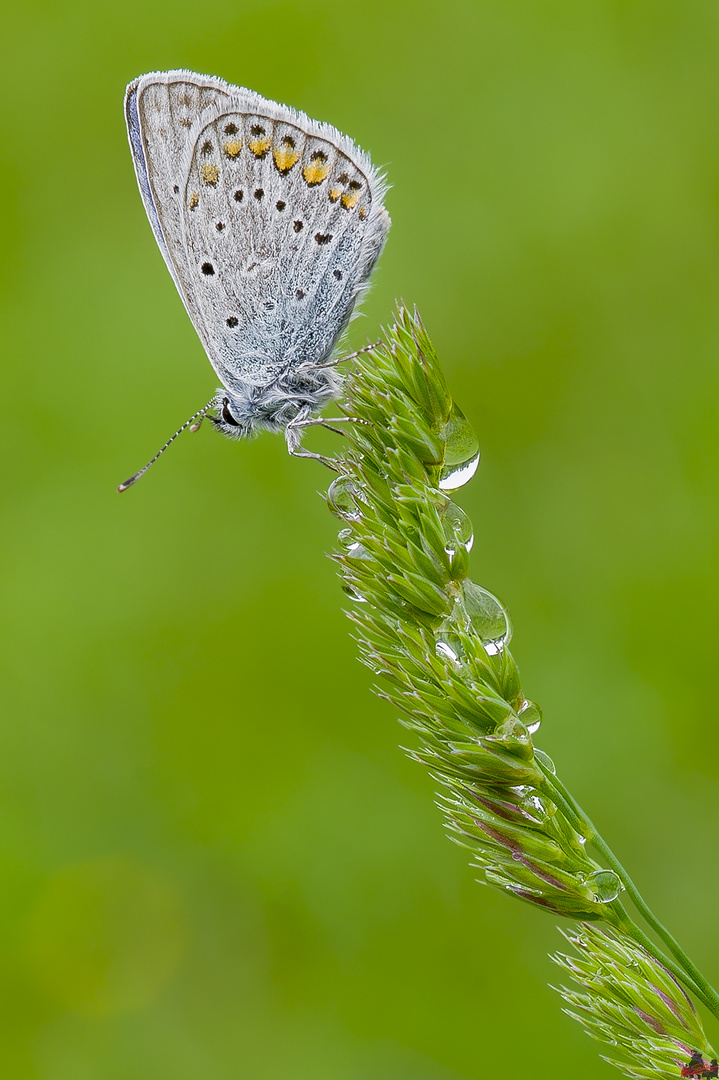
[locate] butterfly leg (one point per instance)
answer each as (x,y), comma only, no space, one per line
(293,434)
(293,437)
(341,359)
(297,451)
(328,421)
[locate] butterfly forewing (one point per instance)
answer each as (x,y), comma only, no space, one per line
(160,110)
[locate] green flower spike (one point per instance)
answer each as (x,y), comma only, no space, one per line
(631,1002)
(440,644)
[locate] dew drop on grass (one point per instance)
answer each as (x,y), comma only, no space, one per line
(605,885)
(342,496)
(457,530)
(484,615)
(531,716)
(461,455)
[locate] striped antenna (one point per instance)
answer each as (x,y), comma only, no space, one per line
(193,424)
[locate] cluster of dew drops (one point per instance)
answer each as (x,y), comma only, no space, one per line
(476,611)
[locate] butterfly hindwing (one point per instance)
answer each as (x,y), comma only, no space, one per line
(278,225)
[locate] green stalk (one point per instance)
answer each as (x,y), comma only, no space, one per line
(687,971)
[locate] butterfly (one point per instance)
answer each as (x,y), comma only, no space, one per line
(270,224)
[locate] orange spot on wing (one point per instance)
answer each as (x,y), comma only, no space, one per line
(317,170)
(210,174)
(232,148)
(259,147)
(285,157)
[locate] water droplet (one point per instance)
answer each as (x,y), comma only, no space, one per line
(350,591)
(605,885)
(534,804)
(358,551)
(447,641)
(461,455)
(546,761)
(542,810)
(531,716)
(483,615)
(457,529)
(448,647)
(343,500)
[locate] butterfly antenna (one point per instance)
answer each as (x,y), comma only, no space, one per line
(193,424)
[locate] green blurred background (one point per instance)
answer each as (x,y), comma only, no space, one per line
(215,860)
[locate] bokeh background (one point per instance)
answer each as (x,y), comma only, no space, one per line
(215,860)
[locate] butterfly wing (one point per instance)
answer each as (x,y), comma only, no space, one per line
(269,222)
(160,110)
(283,222)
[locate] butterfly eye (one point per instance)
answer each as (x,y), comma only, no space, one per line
(227,415)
